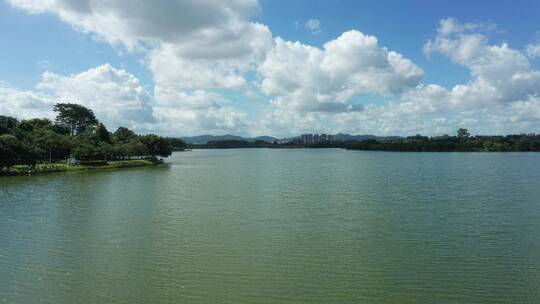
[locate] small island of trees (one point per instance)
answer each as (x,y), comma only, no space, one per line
(76,133)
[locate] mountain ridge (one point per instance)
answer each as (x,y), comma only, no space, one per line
(204,139)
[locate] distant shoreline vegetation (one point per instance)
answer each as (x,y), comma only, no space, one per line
(76,140)
(461,142)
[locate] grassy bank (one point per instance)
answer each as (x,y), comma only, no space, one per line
(63,167)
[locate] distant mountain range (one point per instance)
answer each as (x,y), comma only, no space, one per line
(203,139)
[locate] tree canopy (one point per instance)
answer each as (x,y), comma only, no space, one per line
(74,117)
(7,124)
(463,142)
(156,145)
(463,133)
(75,132)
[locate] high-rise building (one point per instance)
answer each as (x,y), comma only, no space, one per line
(307,139)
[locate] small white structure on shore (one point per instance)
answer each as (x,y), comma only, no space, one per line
(71,161)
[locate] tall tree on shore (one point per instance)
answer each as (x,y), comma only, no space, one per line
(463,133)
(10,148)
(156,145)
(74,117)
(103,134)
(124,135)
(7,124)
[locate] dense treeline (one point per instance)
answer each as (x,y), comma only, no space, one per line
(463,142)
(76,132)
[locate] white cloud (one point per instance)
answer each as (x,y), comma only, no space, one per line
(501,97)
(500,74)
(191,113)
(24,104)
(197,48)
(210,66)
(533,51)
(303,78)
(314,25)
(449,26)
(136,23)
(191,44)
(117,97)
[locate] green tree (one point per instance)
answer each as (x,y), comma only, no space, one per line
(156,145)
(86,148)
(105,150)
(123,135)
(55,146)
(177,143)
(137,148)
(7,124)
(463,133)
(10,149)
(74,117)
(103,134)
(29,125)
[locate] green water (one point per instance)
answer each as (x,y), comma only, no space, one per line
(278,226)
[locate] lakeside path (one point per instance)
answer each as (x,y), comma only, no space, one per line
(18,170)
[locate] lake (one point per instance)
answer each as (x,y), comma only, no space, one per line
(278,226)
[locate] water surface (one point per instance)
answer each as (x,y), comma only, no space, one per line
(278,226)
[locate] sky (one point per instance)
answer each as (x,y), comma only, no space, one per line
(279,68)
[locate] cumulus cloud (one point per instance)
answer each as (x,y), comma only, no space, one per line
(24,104)
(449,26)
(304,78)
(136,23)
(118,99)
(500,74)
(192,44)
(197,51)
(533,50)
(423,109)
(210,66)
(502,95)
(194,112)
(116,96)
(191,47)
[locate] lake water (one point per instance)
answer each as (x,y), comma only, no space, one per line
(278,226)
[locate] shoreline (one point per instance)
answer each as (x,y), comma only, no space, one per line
(373,150)
(22,170)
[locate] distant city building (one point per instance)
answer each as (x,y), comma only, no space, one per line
(309,139)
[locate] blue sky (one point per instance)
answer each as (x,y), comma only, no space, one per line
(241,72)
